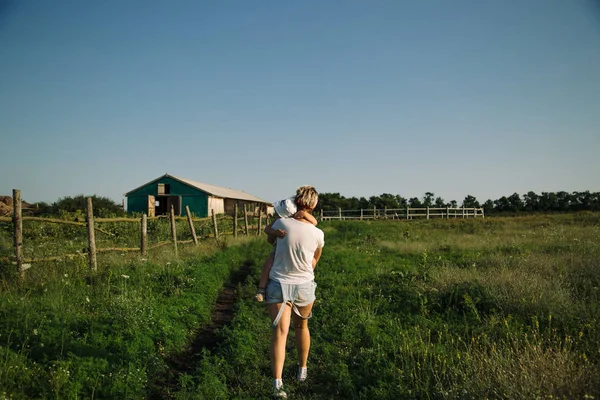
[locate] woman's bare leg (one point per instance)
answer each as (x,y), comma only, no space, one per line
(302,334)
(279,338)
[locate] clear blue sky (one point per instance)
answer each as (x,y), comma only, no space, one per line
(458,97)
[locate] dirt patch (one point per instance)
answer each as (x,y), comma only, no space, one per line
(206,337)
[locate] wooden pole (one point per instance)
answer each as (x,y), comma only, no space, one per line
(340,213)
(18,226)
(384,212)
(235,220)
(191,224)
(214,220)
(427,212)
(144,235)
(407,212)
(374,212)
(174,231)
(259,222)
(361,214)
(447,212)
(246,218)
(91,236)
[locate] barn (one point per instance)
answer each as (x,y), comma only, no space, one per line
(157,196)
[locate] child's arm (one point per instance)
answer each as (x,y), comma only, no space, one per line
(273,234)
(264,277)
(306,216)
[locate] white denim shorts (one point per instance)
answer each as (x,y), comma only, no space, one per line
(297,295)
(301,294)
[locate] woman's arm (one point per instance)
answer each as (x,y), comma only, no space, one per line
(316,257)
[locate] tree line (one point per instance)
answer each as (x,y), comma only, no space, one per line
(529,202)
(103,207)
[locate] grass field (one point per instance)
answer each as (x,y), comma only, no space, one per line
(499,308)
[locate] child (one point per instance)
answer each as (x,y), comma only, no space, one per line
(283,209)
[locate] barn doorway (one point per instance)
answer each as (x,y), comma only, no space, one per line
(164,203)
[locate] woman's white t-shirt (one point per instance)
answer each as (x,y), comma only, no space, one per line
(294,252)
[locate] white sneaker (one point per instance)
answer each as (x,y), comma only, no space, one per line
(279,393)
(302,374)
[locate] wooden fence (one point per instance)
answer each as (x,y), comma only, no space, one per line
(23,263)
(407,213)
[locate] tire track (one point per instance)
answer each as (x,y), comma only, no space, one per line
(207,337)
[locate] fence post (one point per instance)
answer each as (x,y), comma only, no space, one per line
(91,236)
(482,213)
(235,219)
(144,235)
(214,220)
(447,212)
(340,213)
(259,222)
(407,212)
(463,212)
(361,214)
(18,226)
(191,224)
(174,231)
(246,218)
(427,212)
(384,212)
(374,212)
(321,215)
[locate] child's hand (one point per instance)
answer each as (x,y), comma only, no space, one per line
(280,233)
(260,295)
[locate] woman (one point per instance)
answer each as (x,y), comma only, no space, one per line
(291,288)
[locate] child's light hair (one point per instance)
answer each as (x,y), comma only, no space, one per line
(307,197)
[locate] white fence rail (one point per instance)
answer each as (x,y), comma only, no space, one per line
(402,213)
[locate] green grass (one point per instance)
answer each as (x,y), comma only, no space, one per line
(495,308)
(491,308)
(68,333)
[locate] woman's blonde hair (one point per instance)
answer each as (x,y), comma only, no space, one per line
(307,197)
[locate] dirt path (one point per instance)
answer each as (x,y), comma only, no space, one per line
(206,338)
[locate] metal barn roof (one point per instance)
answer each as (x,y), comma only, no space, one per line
(213,190)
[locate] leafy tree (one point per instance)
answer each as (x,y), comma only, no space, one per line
(452,204)
(389,201)
(414,202)
(351,203)
(502,204)
(585,200)
(548,201)
(564,201)
(531,201)
(470,202)
(102,206)
(330,201)
(516,204)
(488,207)
(44,208)
(428,199)
(363,203)
(439,202)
